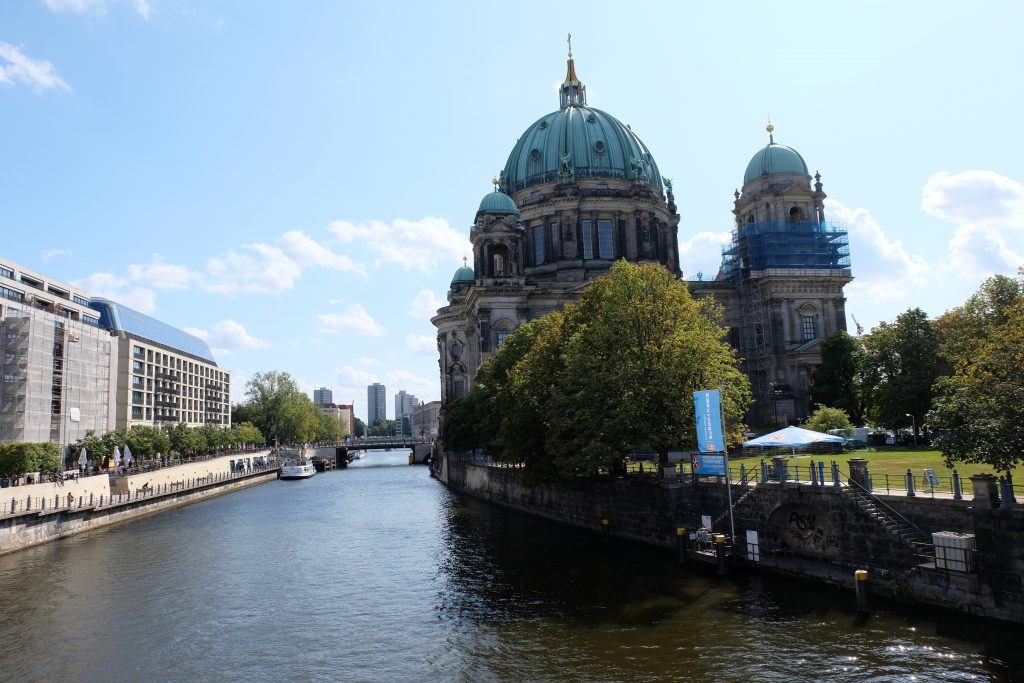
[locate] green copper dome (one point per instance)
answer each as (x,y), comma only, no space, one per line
(498,203)
(464,275)
(775,158)
(578,142)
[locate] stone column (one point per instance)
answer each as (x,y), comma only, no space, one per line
(986,491)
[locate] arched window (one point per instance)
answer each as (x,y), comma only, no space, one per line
(795,215)
(499,261)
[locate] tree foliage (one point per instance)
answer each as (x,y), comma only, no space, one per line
(578,389)
(979,408)
(146,441)
(825,418)
(279,410)
(19,458)
(901,366)
(837,381)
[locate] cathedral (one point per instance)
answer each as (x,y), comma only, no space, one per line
(580,190)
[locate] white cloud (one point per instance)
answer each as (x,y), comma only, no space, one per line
(420,344)
(305,251)
(419,245)
(354,320)
(17,67)
(703,253)
(988,209)
(414,384)
(884,268)
(227,335)
(368,360)
(51,254)
(144,8)
(354,377)
(111,287)
(425,305)
(162,275)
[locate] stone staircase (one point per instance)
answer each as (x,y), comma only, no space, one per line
(898,527)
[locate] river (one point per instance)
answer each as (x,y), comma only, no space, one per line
(379,573)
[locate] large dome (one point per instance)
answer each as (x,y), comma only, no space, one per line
(775,158)
(578,141)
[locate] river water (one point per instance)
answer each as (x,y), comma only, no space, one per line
(379,573)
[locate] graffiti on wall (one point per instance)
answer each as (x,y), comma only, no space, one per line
(802,530)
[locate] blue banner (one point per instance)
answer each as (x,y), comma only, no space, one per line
(707,464)
(709,421)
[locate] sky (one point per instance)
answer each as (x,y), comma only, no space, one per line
(295,182)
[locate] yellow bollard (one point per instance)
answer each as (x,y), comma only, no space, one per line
(681,544)
(723,567)
(860,587)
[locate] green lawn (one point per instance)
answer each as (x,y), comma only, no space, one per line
(886,461)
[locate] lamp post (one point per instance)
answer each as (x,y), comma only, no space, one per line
(775,408)
(913,425)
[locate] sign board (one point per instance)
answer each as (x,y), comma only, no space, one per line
(708,415)
(753,547)
(708,464)
(705,521)
(75,414)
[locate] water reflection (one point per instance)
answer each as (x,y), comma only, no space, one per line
(378,573)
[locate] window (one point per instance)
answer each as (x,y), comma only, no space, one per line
(587,238)
(137,350)
(795,215)
(501,336)
(137,366)
(136,397)
(7,272)
(807,322)
(605,241)
(12,294)
(10,377)
(89,320)
(137,381)
(538,245)
(80,300)
(136,413)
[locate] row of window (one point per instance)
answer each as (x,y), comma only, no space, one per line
(596,235)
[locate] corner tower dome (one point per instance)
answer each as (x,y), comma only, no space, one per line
(578,142)
(774,158)
(498,203)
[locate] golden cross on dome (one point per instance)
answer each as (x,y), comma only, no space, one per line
(569,40)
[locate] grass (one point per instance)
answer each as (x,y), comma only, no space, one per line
(892,461)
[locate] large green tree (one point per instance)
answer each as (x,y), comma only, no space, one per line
(901,365)
(979,408)
(279,410)
(825,418)
(577,390)
(146,441)
(837,381)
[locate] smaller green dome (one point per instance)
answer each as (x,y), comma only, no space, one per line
(498,203)
(464,275)
(775,158)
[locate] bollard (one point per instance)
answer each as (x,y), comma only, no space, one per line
(814,475)
(764,471)
(604,528)
(743,474)
(1009,488)
(835,473)
(681,540)
(910,484)
(860,587)
(821,472)
(957,493)
(723,559)
(1006,500)
(101,500)
(90,499)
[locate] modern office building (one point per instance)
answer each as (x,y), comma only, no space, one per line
(376,405)
(580,190)
(404,405)
(164,375)
(323,396)
(72,362)
(58,365)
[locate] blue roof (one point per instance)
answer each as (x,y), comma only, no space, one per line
(498,203)
(120,318)
(463,275)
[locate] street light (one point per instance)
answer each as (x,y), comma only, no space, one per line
(913,425)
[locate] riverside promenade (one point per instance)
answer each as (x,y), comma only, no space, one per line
(37,513)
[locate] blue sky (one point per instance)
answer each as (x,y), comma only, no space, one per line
(295,181)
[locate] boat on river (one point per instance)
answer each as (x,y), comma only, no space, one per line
(303,469)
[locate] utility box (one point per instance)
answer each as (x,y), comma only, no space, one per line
(954,551)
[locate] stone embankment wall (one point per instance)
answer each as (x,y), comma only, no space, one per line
(814,532)
(102,500)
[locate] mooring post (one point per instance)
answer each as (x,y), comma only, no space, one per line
(957,493)
(910,483)
(821,472)
(723,568)
(606,532)
(743,474)
(814,475)
(681,544)
(764,471)
(860,587)
(835,473)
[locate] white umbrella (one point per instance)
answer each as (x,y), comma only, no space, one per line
(117,456)
(82,460)
(127,455)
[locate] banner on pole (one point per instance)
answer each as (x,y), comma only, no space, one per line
(709,421)
(708,464)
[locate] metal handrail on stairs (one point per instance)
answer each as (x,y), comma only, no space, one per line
(744,483)
(884,513)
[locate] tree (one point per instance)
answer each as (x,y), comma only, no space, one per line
(327,428)
(979,408)
(576,390)
(245,433)
(93,445)
(825,418)
(837,381)
(901,366)
(18,458)
(360,428)
(146,441)
(270,394)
